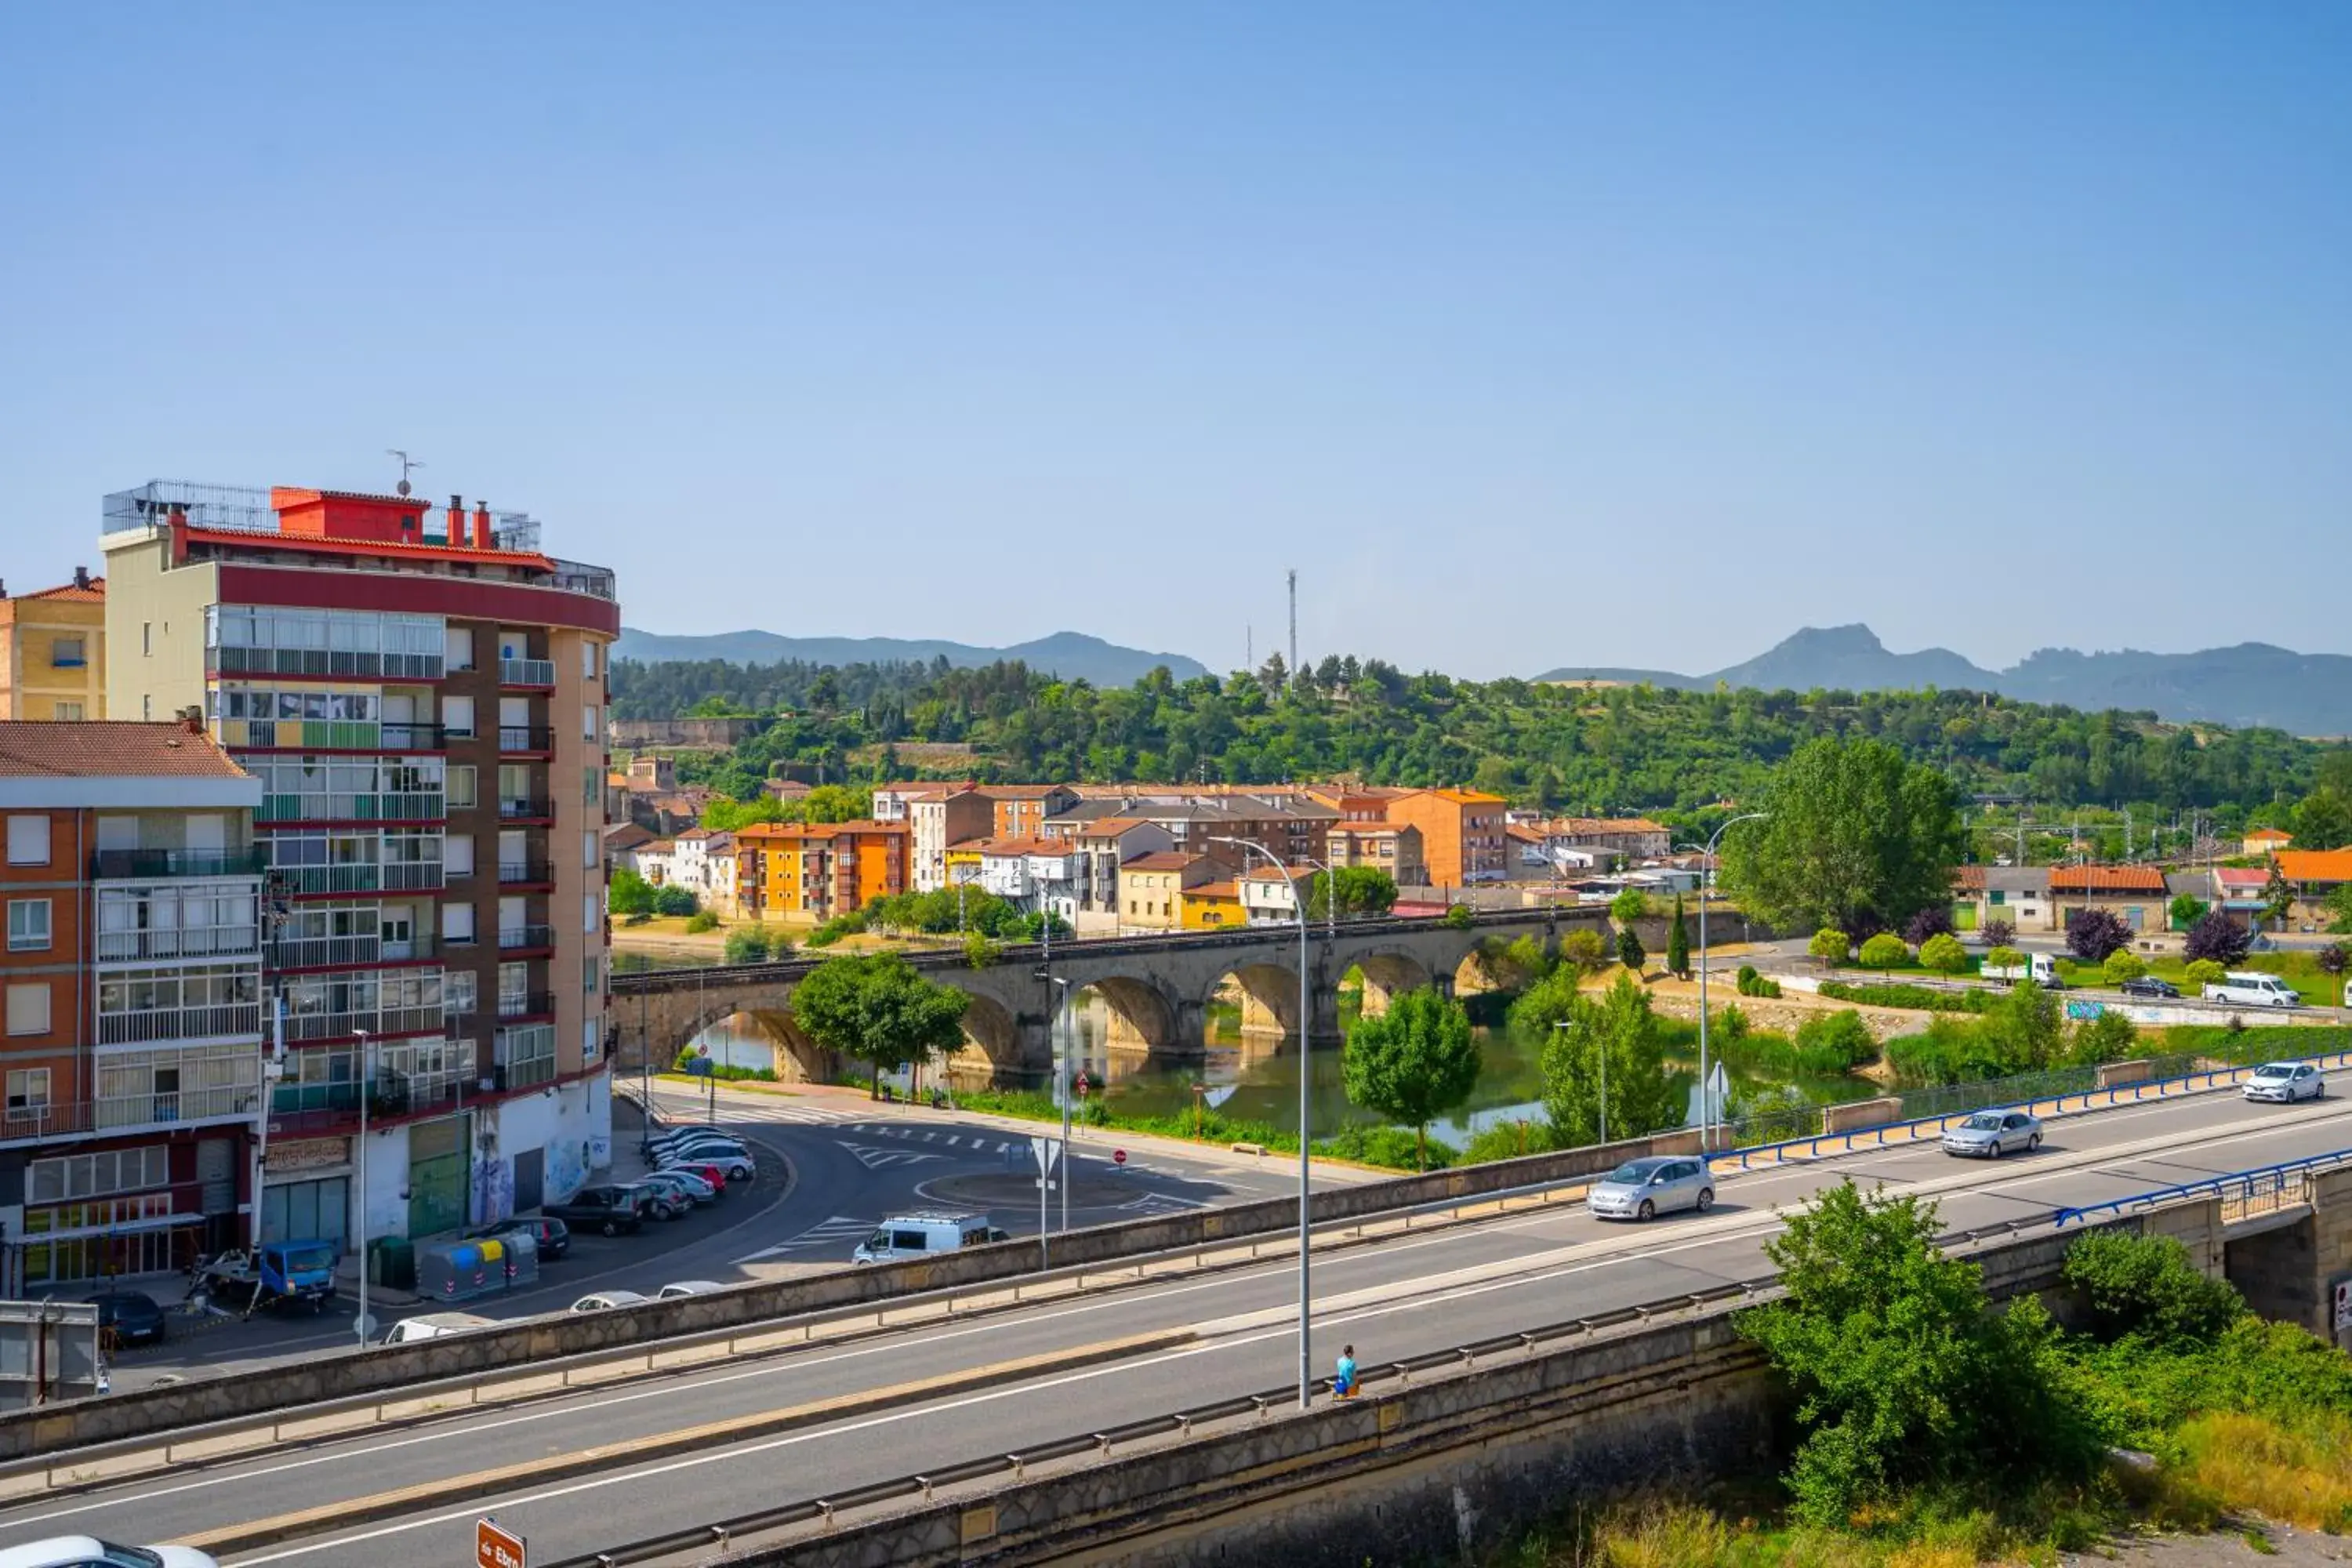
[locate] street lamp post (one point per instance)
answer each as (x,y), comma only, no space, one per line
(1705,883)
(362,1323)
(1305,1021)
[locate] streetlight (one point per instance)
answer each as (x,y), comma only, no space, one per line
(1305,1349)
(1601,1051)
(1706,881)
(363,1325)
(1056,1003)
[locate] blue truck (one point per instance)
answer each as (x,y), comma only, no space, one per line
(278,1273)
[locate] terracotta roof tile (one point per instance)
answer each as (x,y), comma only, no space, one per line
(257,539)
(1164,860)
(72,593)
(2316,865)
(109,748)
(2105,880)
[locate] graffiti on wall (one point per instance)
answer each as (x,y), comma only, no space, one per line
(493,1191)
(566,1173)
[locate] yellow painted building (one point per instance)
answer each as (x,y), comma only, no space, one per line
(1212,906)
(1151,888)
(815,870)
(55,646)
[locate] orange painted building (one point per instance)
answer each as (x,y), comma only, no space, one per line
(1463,836)
(1019,811)
(815,870)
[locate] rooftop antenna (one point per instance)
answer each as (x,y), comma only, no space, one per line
(1292,572)
(407,463)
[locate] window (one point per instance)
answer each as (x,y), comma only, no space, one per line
(587,659)
(461,989)
(589,1044)
(28,841)
(588,848)
(147,638)
(457,715)
(588,722)
(591,913)
(457,856)
(588,975)
(28,1008)
(71,711)
(66,653)
(592,785)
(458,920)
(462,785)
(457,647)
(29,1090)
(28,925)
(514,988)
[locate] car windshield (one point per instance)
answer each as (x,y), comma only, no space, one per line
(131,1556)
(2275,1070)
(1984,1121)
(1634,1173)
(316,1256)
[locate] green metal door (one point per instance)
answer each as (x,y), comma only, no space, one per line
(436,1175)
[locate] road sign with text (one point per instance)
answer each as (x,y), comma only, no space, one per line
(497,1547)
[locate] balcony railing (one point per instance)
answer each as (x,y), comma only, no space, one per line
(334,951)
(402,737)
(324,661)
(526,672)
(226,1019)
(526,738)
(372,1020)
(401,807)
(525,871)
(523,809)
(227,1102)
(526,1004)
(412,876)
(513,937)
(526,1074)
(177,941)
(573,577)
(124,864)
(302,734)
(352,877)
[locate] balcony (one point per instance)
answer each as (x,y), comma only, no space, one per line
(526,672)
(421,1020)
(177,941)
(232,1102)
(525,871)
(351,877)
(412,876)
(126,865)
(227,1019)
(319,661)
(413,737)
(527,1004)
(526,738)
(526,810)
(405,806)
(342,952)
(527,1074)
(515,938)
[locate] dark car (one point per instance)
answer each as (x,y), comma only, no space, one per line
(609,1209)
(555,1238)
(129,1317)
(2149,986)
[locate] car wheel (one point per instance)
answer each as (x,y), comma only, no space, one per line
(612,1227)
(1992,1150)
(1648,1211)
(1706,1199)
(2033,1143)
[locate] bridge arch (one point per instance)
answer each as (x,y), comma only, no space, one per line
(1140,1018)
(991,1051)
(1269,999)
(1387,976)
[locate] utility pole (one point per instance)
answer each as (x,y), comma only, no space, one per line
(1292,573)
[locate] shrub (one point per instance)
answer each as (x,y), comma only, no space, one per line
(1731,1024)
(1834,1042)
(2204,971)
(701,920)
(1828,944)
(1751,984)
(1390,1146)
(1628,906)
(673,900)
(1630,951)
(1943,953)
(1998,932)
(1929,924)
(1509,1140)
(2334,958)
(1585,950)
(2004,958)
(2146,1286)
(1920,998)
(747,945)
(2121,965)
(1458,917)
(2217,937)
(2093,934)
(1885,951)
(2108,1037)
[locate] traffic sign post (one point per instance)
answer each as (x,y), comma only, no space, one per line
(1047,1152)
(1118,1156)
(497,1547)
(2342,1291)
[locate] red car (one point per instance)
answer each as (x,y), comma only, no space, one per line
(709,1172)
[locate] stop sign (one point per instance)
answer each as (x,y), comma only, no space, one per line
(1118,1156)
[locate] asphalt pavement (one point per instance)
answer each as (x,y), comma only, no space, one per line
(1403,1296)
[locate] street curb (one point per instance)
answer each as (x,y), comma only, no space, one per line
(318,1520)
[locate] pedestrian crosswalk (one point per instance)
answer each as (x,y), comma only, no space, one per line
(675,1108)
(836,1232)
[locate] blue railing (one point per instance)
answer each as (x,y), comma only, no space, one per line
(1814,1145)
(2248,1188)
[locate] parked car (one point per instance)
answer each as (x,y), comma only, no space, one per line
(434,1326)
(609,1209)
(2149,986)
(709,1174)
(1989,1135)
(676,1287)
(736,1163)
(1645,1188)
(925,1234)
(555,1238)
(684,1183)
(2038,967)
(2253,989)
(2286,1082)
(660,1200)
(688,1135)
(131,1317)
(89,1551)
(605,1300)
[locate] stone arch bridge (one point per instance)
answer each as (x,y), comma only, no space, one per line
(1156,990)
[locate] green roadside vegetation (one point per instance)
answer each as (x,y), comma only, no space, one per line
(1924,1427)
(1393,1148)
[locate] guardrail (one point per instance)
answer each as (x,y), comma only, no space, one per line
(2243,1193)
(1919,1129)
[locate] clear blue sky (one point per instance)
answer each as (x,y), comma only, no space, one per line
(1531,335)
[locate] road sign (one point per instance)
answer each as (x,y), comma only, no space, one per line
(1083,1086)
(1118,1156)
(1047,1151)
(497,1547)
(2344,1304)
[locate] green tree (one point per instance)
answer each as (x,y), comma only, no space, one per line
(1580,1033)
(1885,951)
(2278,899)
(1854,837)
(2121,965)
(2185,910)
(2147,1288)
(2324,820)
(1630,905)
(747,945)
(1363,890)
(1830,945)
(1584,950)
(2339,911)
(1678,943)
(2022,1028)
(629,893)
(1458,917)
(2004,958)
(1944,953)
(879,1010)
(1630,951)
(2106,1036)
(2204,971)
(1413,1063)
(673,900)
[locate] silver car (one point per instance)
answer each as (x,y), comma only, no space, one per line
(2286,1082)
(1989,1135)
(1645,1188)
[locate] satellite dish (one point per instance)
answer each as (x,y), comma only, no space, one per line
(402,487)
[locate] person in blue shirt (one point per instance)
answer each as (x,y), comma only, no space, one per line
(1343,1386)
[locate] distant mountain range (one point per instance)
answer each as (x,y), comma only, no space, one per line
(2249,685)
(1072,656)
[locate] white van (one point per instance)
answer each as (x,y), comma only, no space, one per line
(2038,967)
(2252,990)
(905,1236)
(433,1325)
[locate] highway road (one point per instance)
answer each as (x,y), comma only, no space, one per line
(1403,1296)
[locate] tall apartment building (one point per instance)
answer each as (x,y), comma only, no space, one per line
(53,649)
(132,1055)
(815,870)
(1462,837)
(936,819)
(423,696)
